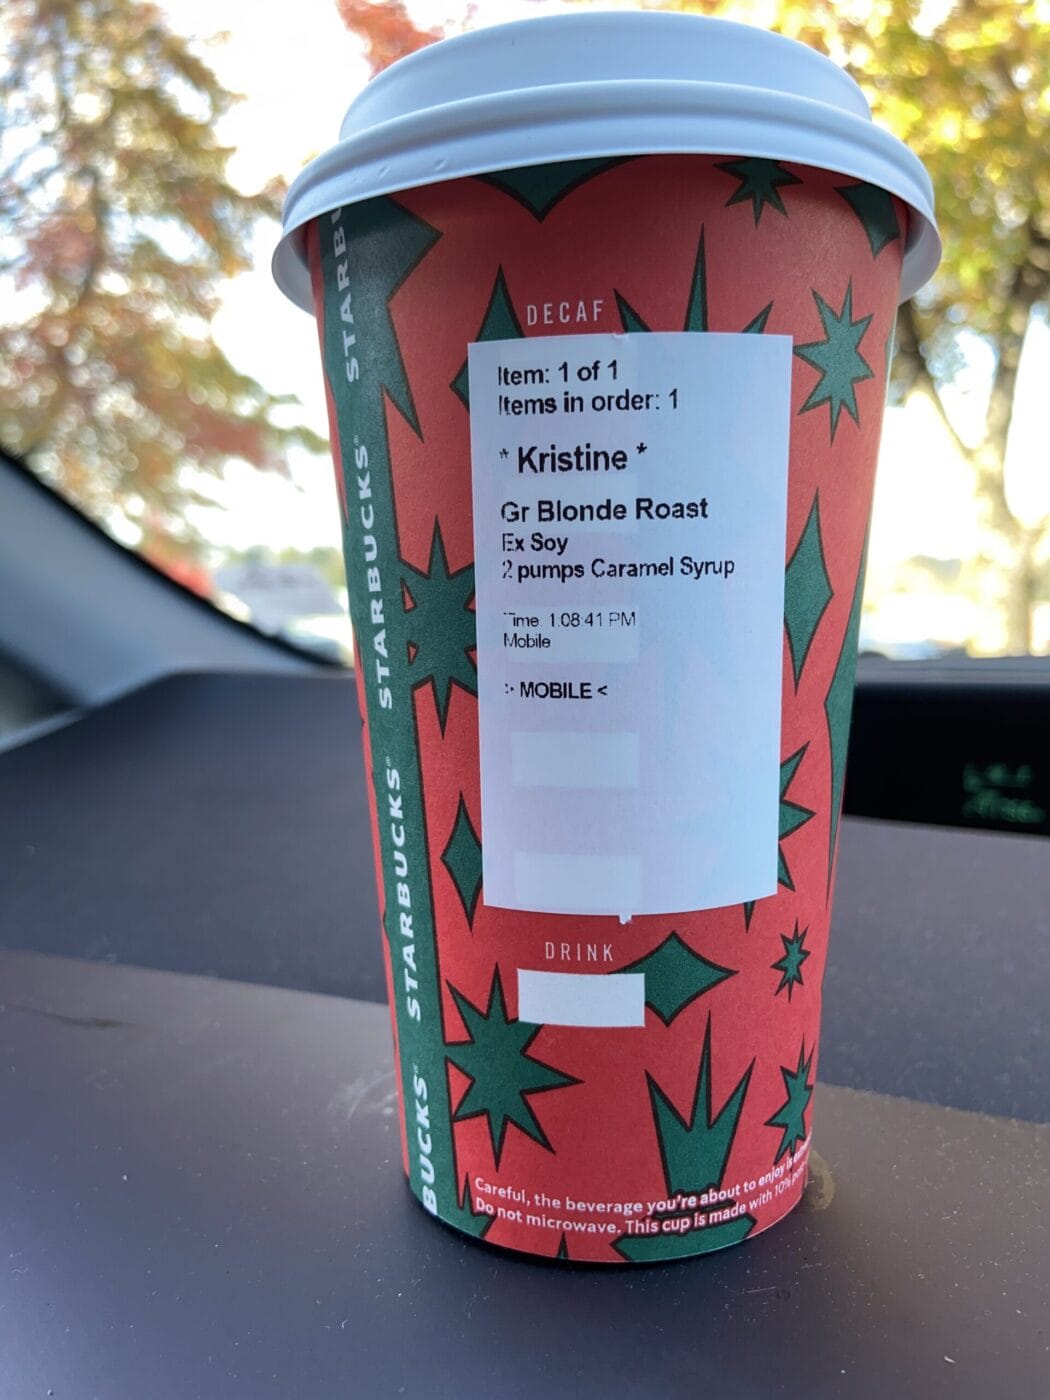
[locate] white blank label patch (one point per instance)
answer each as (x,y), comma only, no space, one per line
(581,998)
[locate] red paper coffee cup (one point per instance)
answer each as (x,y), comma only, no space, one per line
(605,431)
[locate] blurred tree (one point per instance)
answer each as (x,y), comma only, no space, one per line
(966,84)
(385,28)
(120,227)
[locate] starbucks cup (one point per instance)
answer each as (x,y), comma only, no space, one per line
(606,309)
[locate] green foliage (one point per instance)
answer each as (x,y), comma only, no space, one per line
(966,84)
(123,228)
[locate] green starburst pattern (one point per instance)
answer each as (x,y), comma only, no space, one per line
(500,322)
(503,1075)
(540,187)
(792,816)
(694,1152)
(838,359)
(807,591)
(442,631)
(462,859)
(790,965)
(696,306)
(749,909)
(629,318)
(760,181)
(696,303)
(471,1221)
(838,704)
(874,208)
(790,1117)
(757,324)
(563,1248)
(696,316)
(675,976)
(389,243)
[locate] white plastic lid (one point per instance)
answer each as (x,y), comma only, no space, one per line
(568,87)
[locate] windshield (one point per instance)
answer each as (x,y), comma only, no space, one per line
(151,373)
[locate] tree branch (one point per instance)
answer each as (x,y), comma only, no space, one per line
(1029,285)
(911,343)
(8,175)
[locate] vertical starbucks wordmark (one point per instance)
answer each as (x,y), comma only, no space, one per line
(367,252)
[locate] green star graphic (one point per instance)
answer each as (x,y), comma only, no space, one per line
(694,1153)
(757,324)
(675,976)
(696,302)
(441,627)
(874,208)
(629,318)
(838,703)
(462,859)
(502,1073)
(790,965)
(563,1248)
(540,187)
(500,322)
(759,180)
(696,306)
(838,359)
(807,591)
(792,816)
(473,1222)
(790,1117)
(696,318)
(389,243)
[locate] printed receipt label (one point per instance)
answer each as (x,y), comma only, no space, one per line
(630,515)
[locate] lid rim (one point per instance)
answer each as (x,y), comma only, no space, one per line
(599,25)
(525,122)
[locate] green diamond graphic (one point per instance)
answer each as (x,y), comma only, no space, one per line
(807,591)
(675,976)
(462,859)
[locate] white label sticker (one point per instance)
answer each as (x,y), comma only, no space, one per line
(630,509)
